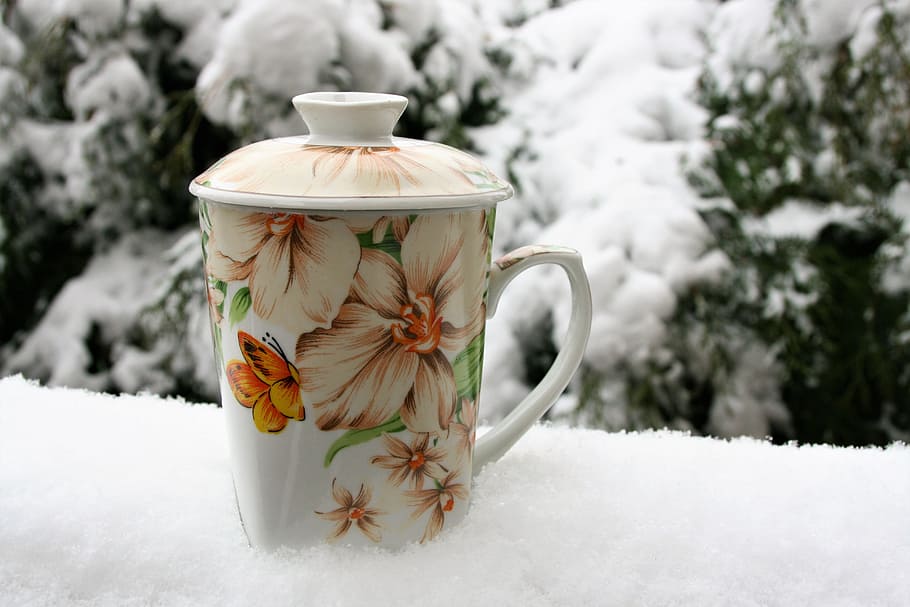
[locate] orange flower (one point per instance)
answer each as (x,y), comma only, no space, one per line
(299,266)
(388,350)
(441,499)
(266,382)
(353,511)
(415,461)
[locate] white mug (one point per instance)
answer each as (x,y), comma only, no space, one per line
(348,324)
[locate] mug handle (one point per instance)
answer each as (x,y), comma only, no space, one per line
(493,445)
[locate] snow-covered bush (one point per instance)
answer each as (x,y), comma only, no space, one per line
(760,287)
(434,52)
(808,172)
(101,130)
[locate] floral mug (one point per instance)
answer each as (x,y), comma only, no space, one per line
(349,280)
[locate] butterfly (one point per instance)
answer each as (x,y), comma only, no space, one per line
(267,382)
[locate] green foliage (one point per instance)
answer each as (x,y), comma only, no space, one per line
(240,305)
(106,174)
(39,249)
(818,303)
(363,435)
(468,367)
(389,244)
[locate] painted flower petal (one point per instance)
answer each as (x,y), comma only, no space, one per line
(430,405)
(266,417)
(459,294)
(342,495)
(379,283)
(433,470)
(338,514)
(363,497)
(434,525)
(361,223)
(245,385)
(432,246)
(368,526)
(302,278)
(223,267)
(400,226)
(353,373)
(357,334)
(285,395)
(236,233)
(395,447)
(422,500)
(341,529)
(445,256)
(381,227)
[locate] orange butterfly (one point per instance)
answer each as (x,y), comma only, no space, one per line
(267,382)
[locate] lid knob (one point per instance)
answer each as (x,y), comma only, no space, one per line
(361,119)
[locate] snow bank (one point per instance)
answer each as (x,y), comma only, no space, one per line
(128,501)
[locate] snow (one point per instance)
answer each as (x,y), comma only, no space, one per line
(114,84)
(347,46)
(11,48)
(801,219)
(106,297)
(93,17)
(739,33)
(897,273)
(603,121)
(128,501)
(293,30)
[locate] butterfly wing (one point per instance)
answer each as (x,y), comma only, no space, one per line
(245,385)
(285,395)
(280,375)
(268,365)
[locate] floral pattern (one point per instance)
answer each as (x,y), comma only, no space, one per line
(387,165)
(387,313)
(291,166)
(417,461)
(295,264)
(353,511)
(465,429)
(440,500)
(392,342)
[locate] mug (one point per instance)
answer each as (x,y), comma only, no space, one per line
(350,348)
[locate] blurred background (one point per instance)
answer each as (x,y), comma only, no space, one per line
(736,175)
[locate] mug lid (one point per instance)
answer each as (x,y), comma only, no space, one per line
(350,161)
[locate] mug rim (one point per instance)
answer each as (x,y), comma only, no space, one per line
(372,204)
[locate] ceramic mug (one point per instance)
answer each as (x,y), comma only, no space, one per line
(350,347)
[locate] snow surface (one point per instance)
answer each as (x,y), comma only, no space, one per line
(128,501)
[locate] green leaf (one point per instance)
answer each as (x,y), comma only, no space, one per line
(389,244)
(356,437)
(240,305)
(216,341)
(491,222)
(468,367)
